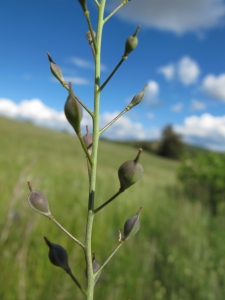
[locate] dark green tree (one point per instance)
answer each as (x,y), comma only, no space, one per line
(171,145)
(203,177)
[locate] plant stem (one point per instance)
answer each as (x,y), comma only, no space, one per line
(108,259)
(77,282)
(115,10)
(90,215)
(107,202)
(84,148)
(113,72)
(64,230)
(114,120)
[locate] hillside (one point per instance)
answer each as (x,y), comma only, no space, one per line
(173,256)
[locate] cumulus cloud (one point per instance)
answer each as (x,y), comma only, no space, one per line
(177,107)
(205,130)
(168,71)
(214,86)
(35,111)
(188,70)
(173,15)
(197,105)
(152,90)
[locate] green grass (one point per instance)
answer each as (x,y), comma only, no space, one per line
(178,253)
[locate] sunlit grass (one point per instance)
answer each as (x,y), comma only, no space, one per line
(177,254)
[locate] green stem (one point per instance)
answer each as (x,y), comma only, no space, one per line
(108,259)
(64,230)
(107,202)
(113,72)
(96,2)
(77,283)
(90,215)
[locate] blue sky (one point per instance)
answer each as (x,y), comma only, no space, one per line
(181,55)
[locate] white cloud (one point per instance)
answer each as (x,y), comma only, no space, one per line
(152,90)
(173,15)
(168,71)
(177,107)
(35,111)
(214,86)
(188,70)
(205,130)
(197,105)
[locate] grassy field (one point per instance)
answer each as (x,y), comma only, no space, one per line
(178,253)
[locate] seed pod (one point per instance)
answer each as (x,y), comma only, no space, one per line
(89,37)
(56,71)
(88,140)
(73,111)
(38,202)
(83,5)
(137,98)
(130,172)
(131,43)
(95,267)
(131,226)
(58,255)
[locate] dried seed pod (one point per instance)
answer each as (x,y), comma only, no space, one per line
(58,255)
(131,43)
(131,226)
(130,172)
(88,140)
(73,111)
(95,267)
(83,5)
(137,98)
(89,37)
(56,71)
(38,202)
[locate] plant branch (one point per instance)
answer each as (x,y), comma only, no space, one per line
(115,10)
(81,103)
(96,2)
(108,259)
(107,202)
(86,13)
(85,148)
(66,232)
(114,120)
(113,72)
(77,282)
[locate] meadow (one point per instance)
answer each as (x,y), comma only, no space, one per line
(178,253)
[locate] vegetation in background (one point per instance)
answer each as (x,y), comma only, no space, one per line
(203,177)
(171,145)
(177,254)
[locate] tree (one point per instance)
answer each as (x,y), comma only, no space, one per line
(203,177)
(171,145)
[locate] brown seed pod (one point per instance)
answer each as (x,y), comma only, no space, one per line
(88,140)
(56,71)
(73,111)
(131,226)
(58,255)
(130,172)
(38,202)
